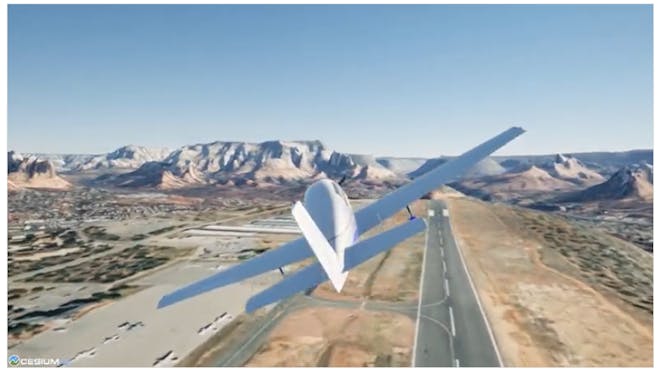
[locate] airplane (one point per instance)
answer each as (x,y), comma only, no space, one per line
(331,231)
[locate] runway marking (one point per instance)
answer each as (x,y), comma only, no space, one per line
(442,326)
(421,290)
(431,213)
(444,266)
(458,363)
(446,287)
(451,319)
(476,296)
(445,212)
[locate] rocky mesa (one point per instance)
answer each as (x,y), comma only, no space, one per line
(32,172)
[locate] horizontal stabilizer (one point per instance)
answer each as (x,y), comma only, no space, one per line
(313,274)
(368,248)
(294,251)
(301,280)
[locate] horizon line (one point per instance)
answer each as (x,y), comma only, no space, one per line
(348,153)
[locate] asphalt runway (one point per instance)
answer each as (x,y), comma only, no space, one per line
(451,327)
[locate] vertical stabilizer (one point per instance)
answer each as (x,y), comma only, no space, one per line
(331,261)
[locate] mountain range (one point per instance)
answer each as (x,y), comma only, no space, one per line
(282,162)
(126,157)
(238,163)
(634,182)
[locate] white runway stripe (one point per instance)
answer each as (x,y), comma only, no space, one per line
(451,319)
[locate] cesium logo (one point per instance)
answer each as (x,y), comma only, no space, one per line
(15,360)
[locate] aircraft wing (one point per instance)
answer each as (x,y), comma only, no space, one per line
(381,209)
(293,251)
(367,218)
(356,254)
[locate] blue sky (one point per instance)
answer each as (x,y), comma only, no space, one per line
(386,80)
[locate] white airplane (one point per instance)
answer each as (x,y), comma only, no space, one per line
(331,232)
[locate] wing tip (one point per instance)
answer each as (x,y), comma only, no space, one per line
(252,305)
(164,302)
(518,129)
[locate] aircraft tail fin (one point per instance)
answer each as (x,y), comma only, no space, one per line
(313,274)
(331,261)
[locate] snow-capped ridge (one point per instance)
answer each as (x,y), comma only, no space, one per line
(270,162)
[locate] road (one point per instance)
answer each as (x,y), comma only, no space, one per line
(451,327)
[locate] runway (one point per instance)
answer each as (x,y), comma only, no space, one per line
(450,331)
(451,327)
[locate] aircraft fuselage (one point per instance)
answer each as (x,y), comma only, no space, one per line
(328,205)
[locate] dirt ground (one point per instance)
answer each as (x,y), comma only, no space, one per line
(338,337)
(539,283)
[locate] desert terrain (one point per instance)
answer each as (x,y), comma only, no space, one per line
(91,275)
(182,179)
(561,252)
(557,294)
(325,336)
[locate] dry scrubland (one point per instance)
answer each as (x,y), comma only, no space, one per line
(338,337)
(73,256)
(557,294)
(115,267)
